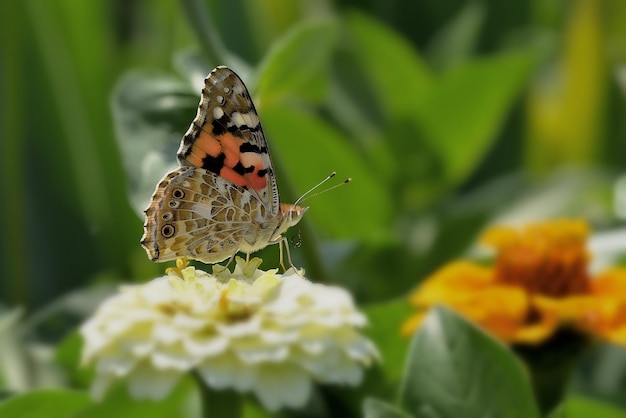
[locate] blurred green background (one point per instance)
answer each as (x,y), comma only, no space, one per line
(449,115)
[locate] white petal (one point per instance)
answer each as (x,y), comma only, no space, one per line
(115,366)
(188,322)
(262,354)
(172,360)
(283,385)
(228,372)
(208,347)
(240,329)
(167,333)
(147,383)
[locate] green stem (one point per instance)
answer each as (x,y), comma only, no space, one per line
(219,403)
(13,153)
(551,364)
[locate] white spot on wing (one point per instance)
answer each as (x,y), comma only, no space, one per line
(218,112)
(202,209)
(249,119)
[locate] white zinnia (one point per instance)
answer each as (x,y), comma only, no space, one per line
(249,330)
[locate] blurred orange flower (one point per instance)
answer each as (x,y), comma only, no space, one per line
(539,283)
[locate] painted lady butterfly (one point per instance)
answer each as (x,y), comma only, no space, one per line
(223,198)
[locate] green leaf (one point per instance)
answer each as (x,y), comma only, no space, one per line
(385,320)
(68,354)
(374,408)
(430,124)
(455,370)
(151,113)
(579,407)
(456,41)
(44,404)
(309,149)
(465,110)
(578,193)
(391,67)
(295,66)
(182,402)
(558,412)
(14,360)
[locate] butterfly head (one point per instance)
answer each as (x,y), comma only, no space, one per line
(291,216)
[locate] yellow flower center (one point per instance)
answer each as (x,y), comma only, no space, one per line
(548,259)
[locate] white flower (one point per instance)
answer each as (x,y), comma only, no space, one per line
(250,330)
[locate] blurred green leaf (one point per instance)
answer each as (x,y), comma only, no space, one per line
(374,408)
(385,63)
(385,320)
(466,108)
(182,402)
(582,193)
(455,42)
(557,412)
(580,407)
(68,354)
(45,403)
(151,113)
(310,149)
(455,370)
(295,66)
(13,364)
(566,106)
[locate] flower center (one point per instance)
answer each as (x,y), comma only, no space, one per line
(549,259)
(233,312)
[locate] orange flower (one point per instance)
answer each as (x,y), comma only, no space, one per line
(538,284)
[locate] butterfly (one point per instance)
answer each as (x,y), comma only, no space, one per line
(223,198)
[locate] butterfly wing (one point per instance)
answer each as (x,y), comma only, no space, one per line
(226,138)
(196,214)
(224,197)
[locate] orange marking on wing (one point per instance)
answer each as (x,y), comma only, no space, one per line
(230,147)
(208,144)
(232,176)
(195,160)
(255,181)
(249,159)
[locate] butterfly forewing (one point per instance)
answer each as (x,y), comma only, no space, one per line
(226,138)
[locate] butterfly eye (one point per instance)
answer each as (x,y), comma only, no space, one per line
(166,216)
(167,231)
(178,193)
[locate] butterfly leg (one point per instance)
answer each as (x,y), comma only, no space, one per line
(230,260)
(284,241)
(280,252)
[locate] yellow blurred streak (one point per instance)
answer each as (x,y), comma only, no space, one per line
(566,101)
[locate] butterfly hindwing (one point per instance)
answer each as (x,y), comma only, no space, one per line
(198,215)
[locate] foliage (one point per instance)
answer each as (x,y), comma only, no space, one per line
(449,115)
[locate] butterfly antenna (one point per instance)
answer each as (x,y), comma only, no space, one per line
(330,176)
(307,195)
